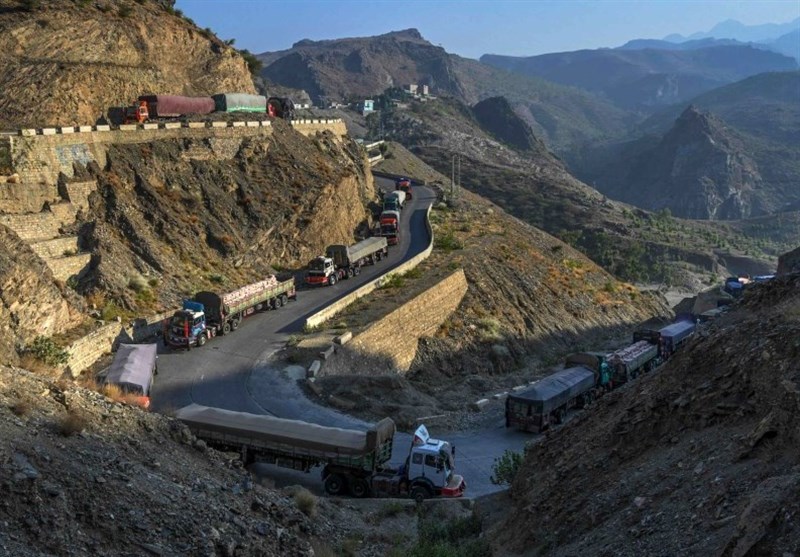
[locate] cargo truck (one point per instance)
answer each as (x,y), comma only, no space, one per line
(341,262)
(632,360)
(394,201)
(404,184)
(547,401)
(390,227)
(209,314)
(668,338)
(353,461)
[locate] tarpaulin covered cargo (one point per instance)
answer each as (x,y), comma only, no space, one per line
(269,432)
(631,359)
(555,390)
(172,106)
(677,332)
(133,368)
(344,256)
(217,305)
(240,102)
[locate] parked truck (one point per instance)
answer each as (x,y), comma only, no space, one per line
(394,201)
(390,227)
(632,360)
(404,184)
(353,461)
(209,314)
(341,262)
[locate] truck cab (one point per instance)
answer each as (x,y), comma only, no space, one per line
(430,468)
(187,326)
(404,184)
(321,270)
(390,226)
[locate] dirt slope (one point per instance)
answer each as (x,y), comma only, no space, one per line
(67,63)
(701,457)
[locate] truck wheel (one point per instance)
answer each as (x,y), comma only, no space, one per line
(277,302)
(360,488)
(201,340)
(334,484)
(357,271)
(284,299)
(226,328)
(235,324)
(350,272)
(419,494)
(331,280)
(379,256)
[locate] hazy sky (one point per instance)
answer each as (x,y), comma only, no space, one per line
(474,27)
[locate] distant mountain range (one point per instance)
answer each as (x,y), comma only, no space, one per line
(647,79)
(734,153)
(732,29)
(357,68)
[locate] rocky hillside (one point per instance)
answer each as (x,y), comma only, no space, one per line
(536,187)
(737,154)
(164,224)
(349,69)
(32,303)
(531,300)
(698,458)
(648,78)
(68,62)
(700,169)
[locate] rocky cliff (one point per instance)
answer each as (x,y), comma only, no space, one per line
(789,262)
(31,302)
(68,63)
(699,169)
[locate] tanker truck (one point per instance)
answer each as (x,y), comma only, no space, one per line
(394,201)
(341,262)
(209,314)
(353,461)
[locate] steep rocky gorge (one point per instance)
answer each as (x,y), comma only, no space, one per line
(67,63)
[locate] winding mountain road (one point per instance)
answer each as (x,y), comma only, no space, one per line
(237,372)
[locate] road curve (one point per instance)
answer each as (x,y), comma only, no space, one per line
(237,371)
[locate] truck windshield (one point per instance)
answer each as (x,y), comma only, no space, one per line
(388,229)
(180,320)
(316,265)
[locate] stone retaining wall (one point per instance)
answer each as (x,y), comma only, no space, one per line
(37,226)
(396,336)
(67,266)
(38,156)
(56,248)
(88,349)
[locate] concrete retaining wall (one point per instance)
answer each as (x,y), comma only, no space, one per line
(327,313)
(396,336)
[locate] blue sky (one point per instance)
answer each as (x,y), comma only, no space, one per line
(474,27)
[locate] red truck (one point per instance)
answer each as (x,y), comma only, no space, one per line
(404,184)
(390,227)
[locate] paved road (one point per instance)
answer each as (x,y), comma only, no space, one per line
(237,371)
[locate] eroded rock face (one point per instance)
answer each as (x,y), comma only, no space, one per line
(31,303)
(700,169)
(68,63)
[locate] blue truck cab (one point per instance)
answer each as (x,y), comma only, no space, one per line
(188,325)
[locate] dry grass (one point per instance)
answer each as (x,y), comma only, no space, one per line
(35,365)
(306,502)
(71,423)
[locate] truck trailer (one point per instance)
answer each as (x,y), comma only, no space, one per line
(341,262)
(632,360)
(394,201)
(353,461)
(209,314)
(548,400)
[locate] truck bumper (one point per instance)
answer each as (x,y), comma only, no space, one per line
(455,487)
(321,281)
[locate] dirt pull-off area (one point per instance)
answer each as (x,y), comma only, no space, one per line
(701,457)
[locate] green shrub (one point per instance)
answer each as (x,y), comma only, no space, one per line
(46,350)
(394,281)
(253,63)
(306,502)
(137,283)
(447,242)
(505,467)
(125,11)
